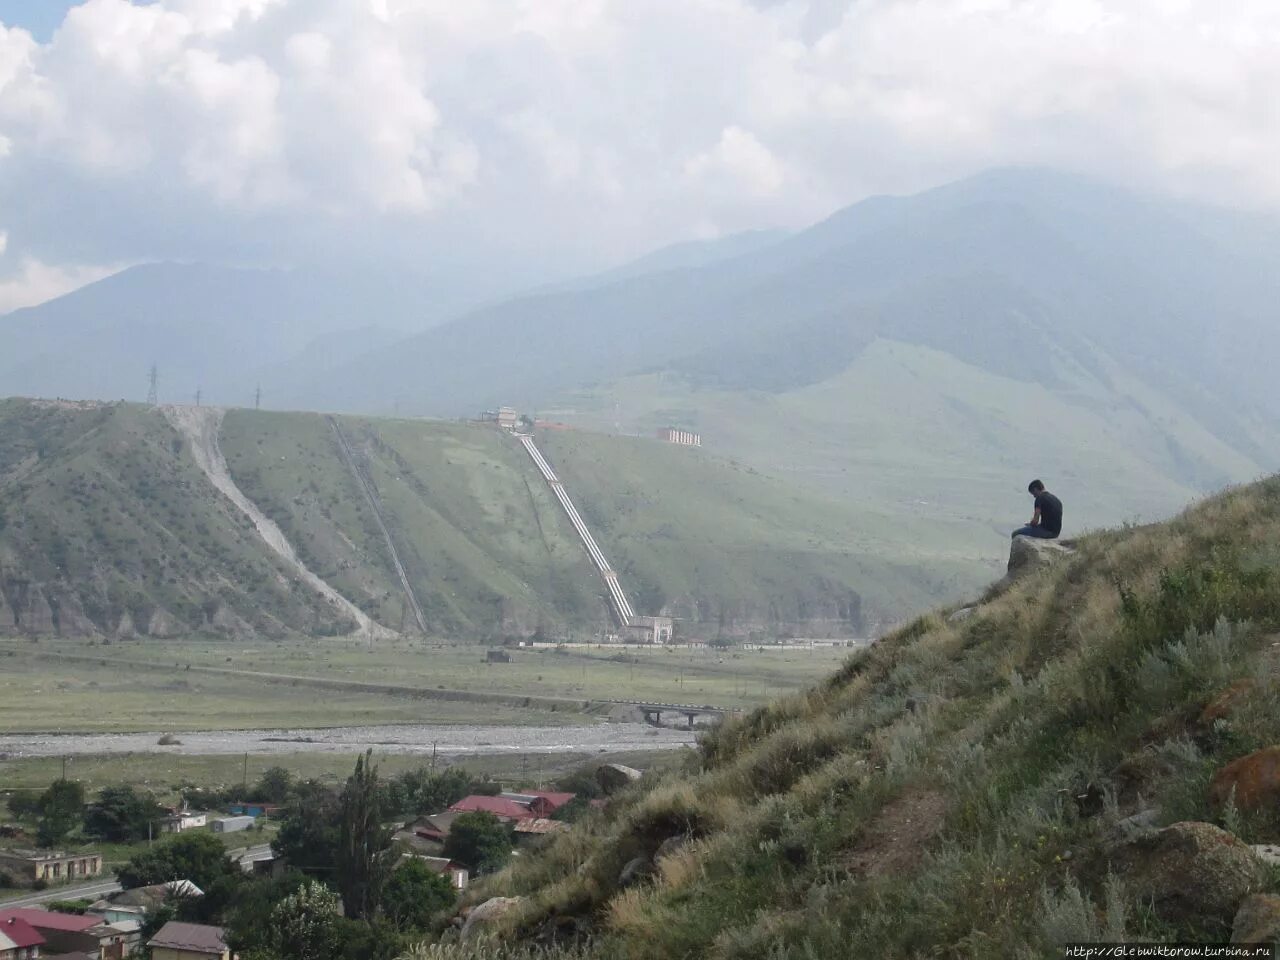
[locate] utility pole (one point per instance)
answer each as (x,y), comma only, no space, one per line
(434,744)
(153,395)
(198,395)
(245,780)
(257,398)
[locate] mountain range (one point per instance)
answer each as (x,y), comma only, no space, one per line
(919,357)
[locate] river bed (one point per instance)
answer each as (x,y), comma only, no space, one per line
(445,739)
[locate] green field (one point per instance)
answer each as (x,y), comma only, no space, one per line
(174,686)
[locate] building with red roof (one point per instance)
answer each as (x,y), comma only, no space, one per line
(19,940)
(69,932)
(503,807)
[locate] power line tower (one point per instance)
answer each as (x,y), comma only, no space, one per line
(199,393)
(257,398)
(153,395)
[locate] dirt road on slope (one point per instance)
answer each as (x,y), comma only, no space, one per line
(200,425)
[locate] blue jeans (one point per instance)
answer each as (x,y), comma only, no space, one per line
(1040,533)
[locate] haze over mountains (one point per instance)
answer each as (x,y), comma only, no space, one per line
(915,355)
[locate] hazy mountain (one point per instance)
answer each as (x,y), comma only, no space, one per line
(915,354)
(222,329)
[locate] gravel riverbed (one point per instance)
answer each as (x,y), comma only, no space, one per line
(403,739)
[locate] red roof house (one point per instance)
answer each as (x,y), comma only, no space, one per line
(49,919)
(498,806)
(17,937)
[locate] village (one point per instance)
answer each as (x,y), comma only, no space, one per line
(188,862)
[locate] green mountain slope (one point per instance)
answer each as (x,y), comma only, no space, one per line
(988,785)
(109,527)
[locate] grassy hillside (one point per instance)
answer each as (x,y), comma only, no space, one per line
(962,788)
(913,438)
(109,528)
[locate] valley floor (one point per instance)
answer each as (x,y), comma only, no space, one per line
(80,687)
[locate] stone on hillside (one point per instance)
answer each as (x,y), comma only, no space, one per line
(1030,554)
(1254,780)
(1257,920)
(1136,825)
(635,871)
(961,615)
(485,914)
(125,629)
(612,777)
(1268,853)
(1225,703)
(1190,871)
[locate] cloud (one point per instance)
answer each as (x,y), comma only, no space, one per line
(542,133)
(35,282)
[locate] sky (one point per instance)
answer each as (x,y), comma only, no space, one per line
(540,138)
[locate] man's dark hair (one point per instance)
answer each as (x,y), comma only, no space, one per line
(1035,486)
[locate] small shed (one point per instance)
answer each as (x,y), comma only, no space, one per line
(232,824)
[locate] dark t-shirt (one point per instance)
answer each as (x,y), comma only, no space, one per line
(1050,508)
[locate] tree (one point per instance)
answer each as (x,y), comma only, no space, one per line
(61,810)
(364,844)
(308,837)
(304,925)
(414,894)
(121,814)
(198,857)
(479,840)
(274,786)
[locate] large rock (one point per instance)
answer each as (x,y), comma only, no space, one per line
(634,871)
(612,777)
(1257,920)
(1028,555)
(485,914)
(1190,871)
(1254,779)
(1225,703)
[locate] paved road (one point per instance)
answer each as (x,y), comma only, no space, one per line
(94,891)
(100,888)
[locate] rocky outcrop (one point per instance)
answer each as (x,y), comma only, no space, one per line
(1029,555)
(1257,920)
(634,871)
(486,914)
(612,777)
(164,625)
(1190,872)
(1252,782)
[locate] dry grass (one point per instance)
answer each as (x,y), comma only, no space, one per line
(1091,673)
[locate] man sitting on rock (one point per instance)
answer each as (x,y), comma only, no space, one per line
(1046,522)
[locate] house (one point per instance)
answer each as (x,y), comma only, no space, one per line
(133,905)
(232,824)
(555,799)
(686,438)
(497,656)
(68,933)
(188,941)
(51,866)
(180,820)
(247,809)
(537,827)
(435,827)
(458,874)
(19,940)
(502,807)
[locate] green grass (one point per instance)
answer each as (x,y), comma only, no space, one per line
(108,528)
(162,694)
(917,803)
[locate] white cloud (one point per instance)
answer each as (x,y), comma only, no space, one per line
(741,157)
(589,129)
(36,282)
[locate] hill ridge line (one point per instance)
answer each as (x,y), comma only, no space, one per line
(200,425)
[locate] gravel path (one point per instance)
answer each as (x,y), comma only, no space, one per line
(200,425)
(449,740)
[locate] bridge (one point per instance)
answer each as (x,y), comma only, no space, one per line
(653,711)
